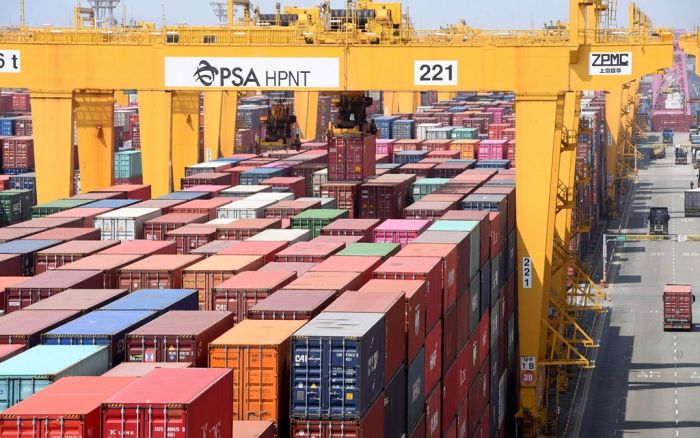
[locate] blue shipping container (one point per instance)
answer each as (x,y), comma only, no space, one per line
(35,369)
(26,181)
(100,328)
(257,175)
(493,164)
(386,126)
(184,196)
(112,203)
(157,300)
(7,127)
(7,171)
(410,157)
(338,369)
(27,249)
(470,163)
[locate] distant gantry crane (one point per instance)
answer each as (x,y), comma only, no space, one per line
(104,12)
(220,9)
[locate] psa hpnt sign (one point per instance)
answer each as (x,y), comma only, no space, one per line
(9,61)
(253,73)
(610,63)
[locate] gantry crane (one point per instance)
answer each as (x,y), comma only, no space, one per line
(75,71)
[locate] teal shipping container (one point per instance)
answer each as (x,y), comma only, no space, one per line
(422,188)
(127,164)
(38,367)
(58,206)
(15,206)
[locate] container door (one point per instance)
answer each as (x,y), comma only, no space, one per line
(142,349)
(308,374)
(262,376)
(175,349)
(158,280)
(344,397)
(154,422)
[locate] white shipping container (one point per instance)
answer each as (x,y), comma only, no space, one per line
(244,191)
(244,209)
(222,221)
(423,128)
(277,197)
(326,203)
(422,109)
(121,118)
(319,178)
(285,235)
(125,223)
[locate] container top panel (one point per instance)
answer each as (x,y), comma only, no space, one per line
(76,299)
(334,325)
(35,361)
(22,323)
(150,299)
(100,323)
(163,262)
(182,322)
(265,332)
(55,280)
(26,246)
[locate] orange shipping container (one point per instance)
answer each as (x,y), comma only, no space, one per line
(258,352)
(209,273)
(466,148)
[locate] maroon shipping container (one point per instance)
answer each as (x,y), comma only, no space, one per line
(67,234)
(419,430)
(484,336)
(288,304)
(510,295)
(191,237)
(296,185)
(446,170)
(449,338)
(496,239)
(449,262)
(418,169)
(10,234)
(433,358)
(450,397)
(253,429)
(464,365)
(463,242)
(48,223)
(360,264)
(418,268)
(187,402)
(426,210)
(380,199)
(267,250)
(158,228)
(352,227)
(69,252)
(214,248)
(166,206)
(10,265)
(346,194)
(309,252)
(86,214)
(45,285)
(25,328)
(18,153)
(142,192)
(433,411)
(142,247)
(80,300)
(201,206)
(299,268)
(392,306)
(306,170)
(240,293)
(478,398)
(156,272)
(245,228)
(206,179)
(177,336)
(463,316)
(335,281)
(445,153)
(345,240)
(289,209)
(8,351)
(472,358)
(483,218)
(351,158)
(371,425)
(106,264)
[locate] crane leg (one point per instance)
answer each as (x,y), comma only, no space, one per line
(53,144)
(155,118)
(391,102)
(306,109)
(185,133)
(612,121)
(539,133)
(220,111)
(409,101)
(94,116)
(446,95)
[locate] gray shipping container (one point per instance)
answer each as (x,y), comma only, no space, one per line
(692,202)
(38,367)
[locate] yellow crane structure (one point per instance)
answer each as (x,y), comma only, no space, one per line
(72,75)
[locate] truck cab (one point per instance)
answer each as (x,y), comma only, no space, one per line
(681,155)
(678,302)
(667,136)
(658,220)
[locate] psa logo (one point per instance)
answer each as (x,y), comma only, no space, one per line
(206,75)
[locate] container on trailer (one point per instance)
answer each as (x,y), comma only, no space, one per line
(346,194)
(308,252)
(79,300)
(86,214)
(243,229)
(156,272)
(292,305)
(67,234)
(25,329)
(400,231)
(184,196)
(100,329)
(142,247)
(15,206)
(352,340)
(177,336)
(48,223)
(191,237)
(371,425)
(242,292)
(415,392)
(159,398)
(213,248)
(58,206)
(361,264)
(289,236)
(140,369)
(106,265)
(142,192)
(45,285)
(678,302)
(257,394)
(11,234)
(299,268)
(289,209)
(210,273)
(125,223)
(37,368)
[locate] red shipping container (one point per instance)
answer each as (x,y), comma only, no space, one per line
(156,272)
(335,281)
(496,130)
(308,252)
(472,357)
(45,285)
(306,171)
(158,228)
(142,247)
(485,228)
(296,185)
(418,169)
(142,192)
(351,158)
(235,172)
(447,154)
(391,304)
(314,146)
(448,256)
(86,214)
(137,180)
(206,179)
(253,429)
(69,407)
(4,179)
(462,414)
(24,329)
(185,401)
(510,295)
(436,146)
(414,315)
(408,145)
(267,250)
(419,429)
(242,292)
(352,227)
(191,237)
(299,268)
(484,330)
(18,153)
(463,312)
(428,210)
(107,265)
(382,200)
(10,265)
(450,397)
(445,118)
(428,269)
(99,196)
(21,102)
(242,229)
(449,338)
(346,194)
(433,358)
(289,209)
(10,234)
(478,398)
(360,264)
(9,351)
(495,234)
(293,305)
(402,231)
(433,404)
(345,240)
(371,425)
(201,206)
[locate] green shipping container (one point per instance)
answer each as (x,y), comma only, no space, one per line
(421,189)
(474,228)
(383,250)
(127,164)
(314,220)
(15,206)
(38,367)
(58,206)
(465,134)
